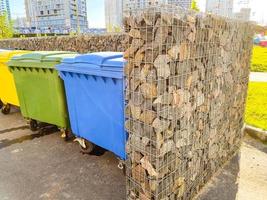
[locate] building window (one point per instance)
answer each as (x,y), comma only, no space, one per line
(41,12)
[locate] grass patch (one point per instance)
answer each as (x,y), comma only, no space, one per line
(256,110)
(259,59)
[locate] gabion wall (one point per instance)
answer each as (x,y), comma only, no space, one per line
(187,77)
(80,43)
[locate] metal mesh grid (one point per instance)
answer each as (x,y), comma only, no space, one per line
(187,77)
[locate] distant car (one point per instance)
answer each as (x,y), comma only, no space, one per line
(26,31)
(56,31)
(37,31)
(257,40)
(46,31)
(263,43)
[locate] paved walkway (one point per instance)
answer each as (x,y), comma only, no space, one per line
(258,76)
(243,178)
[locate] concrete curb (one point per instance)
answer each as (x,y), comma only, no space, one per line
(256,133)
(258,77)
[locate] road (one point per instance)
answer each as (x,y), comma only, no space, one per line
(43,166)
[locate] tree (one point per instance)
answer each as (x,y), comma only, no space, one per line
(194,6)
(6,27)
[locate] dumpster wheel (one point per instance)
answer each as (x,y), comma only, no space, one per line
(122,166)
(6,109)
(89,147)
(85,146)
(33,125)
(1,104)
(65,133)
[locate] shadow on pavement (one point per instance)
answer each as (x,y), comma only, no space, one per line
(45,130)
(14,129)
(228,182)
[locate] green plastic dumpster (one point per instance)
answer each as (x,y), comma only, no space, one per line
(40,90)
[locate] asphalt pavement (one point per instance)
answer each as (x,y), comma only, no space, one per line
(41,165)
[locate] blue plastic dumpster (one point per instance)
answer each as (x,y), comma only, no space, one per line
(94,88)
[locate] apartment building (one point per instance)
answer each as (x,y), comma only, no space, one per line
(57,14)
(220,7)
(114,9)
(182,3)
(113,14)
(5,8)
(243,14)
(137,4)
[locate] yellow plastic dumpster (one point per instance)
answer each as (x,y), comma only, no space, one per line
(8,93)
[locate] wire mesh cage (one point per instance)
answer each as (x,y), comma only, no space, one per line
(187,76)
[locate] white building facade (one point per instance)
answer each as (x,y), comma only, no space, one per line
(136,4)
(243,14)
(67,15)
(182,3)
(113,15)
(5,8)
(20,22)
(114,9)
(220,7)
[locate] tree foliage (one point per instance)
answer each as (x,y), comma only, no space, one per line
(6,27)
(194,6)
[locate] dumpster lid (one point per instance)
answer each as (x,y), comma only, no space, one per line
(6,55)
(100,59)
(44,56)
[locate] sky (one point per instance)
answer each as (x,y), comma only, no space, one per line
(96,11)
